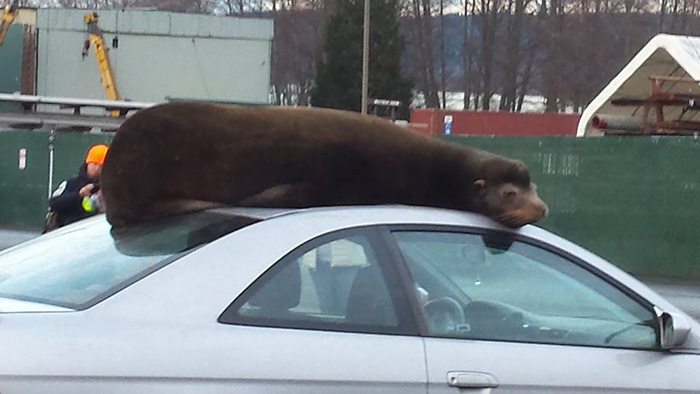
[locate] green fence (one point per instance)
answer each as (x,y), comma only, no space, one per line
(24,190)
(632,200)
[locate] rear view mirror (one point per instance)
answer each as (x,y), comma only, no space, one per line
(499,243)
(673,328)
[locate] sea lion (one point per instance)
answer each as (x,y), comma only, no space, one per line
(179,157)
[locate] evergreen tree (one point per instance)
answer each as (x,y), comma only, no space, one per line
(338,82)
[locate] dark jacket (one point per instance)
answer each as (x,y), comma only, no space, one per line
(67,203)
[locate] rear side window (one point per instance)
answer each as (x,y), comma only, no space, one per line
(80,265)
(337,285)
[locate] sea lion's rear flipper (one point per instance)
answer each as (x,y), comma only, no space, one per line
(296,195)
(160,209)
(175,207)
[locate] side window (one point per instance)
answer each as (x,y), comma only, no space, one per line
(336,285)
(472,287)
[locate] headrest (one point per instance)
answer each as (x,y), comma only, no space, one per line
(282,292)
(369,302)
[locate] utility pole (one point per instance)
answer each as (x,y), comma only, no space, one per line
(365,58)
(442,54)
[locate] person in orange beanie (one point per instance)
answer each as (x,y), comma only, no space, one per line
(79,197)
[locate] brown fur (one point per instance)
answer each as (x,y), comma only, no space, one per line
(179,157)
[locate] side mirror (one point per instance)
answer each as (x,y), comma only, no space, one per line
(673,328)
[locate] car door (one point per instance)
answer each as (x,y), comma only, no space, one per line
(504,315)
(328,318)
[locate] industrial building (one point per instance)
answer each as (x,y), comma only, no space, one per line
(154,56)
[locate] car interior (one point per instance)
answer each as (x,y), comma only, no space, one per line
(317,290)
(451,312)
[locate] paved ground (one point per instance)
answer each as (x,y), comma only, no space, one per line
(9,237)
(685,295)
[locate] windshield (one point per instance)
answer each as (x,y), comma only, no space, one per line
(81,265)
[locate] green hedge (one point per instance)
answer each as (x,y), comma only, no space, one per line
(24,192)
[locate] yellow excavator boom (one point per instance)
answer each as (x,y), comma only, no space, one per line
(97,41)
(9,13)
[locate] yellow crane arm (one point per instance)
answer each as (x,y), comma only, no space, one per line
(102,58)
(9,13)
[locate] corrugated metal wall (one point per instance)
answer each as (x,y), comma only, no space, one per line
(11,63)
(432,121)
(158,55)
(631,200)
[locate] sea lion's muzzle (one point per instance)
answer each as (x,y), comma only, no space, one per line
(514,205)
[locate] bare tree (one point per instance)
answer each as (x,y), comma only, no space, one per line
(515,14)
(421,15)
(468,50)
(490,19)
(296,50)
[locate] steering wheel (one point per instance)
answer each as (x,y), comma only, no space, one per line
(623,330)
(444,315)
(492,320)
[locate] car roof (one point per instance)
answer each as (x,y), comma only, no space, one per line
(360,215)
(340,217)
(323,219)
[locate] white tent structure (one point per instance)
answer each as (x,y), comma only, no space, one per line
(629,104)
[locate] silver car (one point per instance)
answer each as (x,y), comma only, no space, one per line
(377,299)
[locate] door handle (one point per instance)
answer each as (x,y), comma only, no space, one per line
(471,380)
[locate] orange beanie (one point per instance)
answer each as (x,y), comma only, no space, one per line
(97,154)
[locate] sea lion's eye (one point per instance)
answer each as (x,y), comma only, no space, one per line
(509,193)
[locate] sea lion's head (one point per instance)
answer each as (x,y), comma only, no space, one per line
(504,192)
